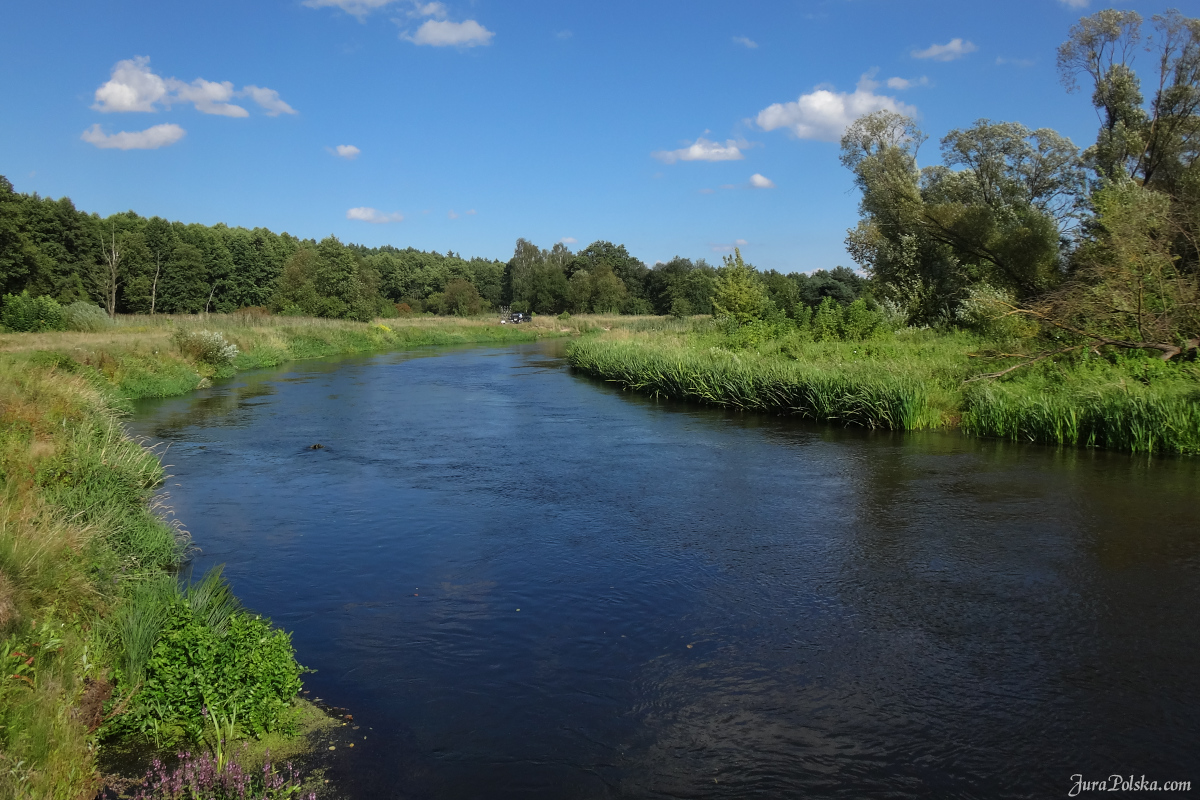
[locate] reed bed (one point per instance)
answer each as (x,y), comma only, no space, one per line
(1132,417)
(910,381)
(866,394)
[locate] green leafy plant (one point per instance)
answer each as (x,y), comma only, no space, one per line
(26,314)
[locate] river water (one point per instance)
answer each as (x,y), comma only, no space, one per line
(527,584)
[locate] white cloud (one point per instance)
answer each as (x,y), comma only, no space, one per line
(428,10)
(1016,62)
(355,8)
(471,212)
(955,48)
(728,248)
(702,150)
(366,214)
(760,182)
(346,151)
(563,34)
(267,99)
(451,214)
(443,33)
(706,191)
(901,84)
(569,240)
(1075,3)
(824,114)
(149,139)
(207,96)
(132,87)
(745,41)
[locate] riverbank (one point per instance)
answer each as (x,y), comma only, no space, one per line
(909,380)
(89,555)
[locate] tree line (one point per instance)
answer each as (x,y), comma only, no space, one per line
(1098,246)
(126,263)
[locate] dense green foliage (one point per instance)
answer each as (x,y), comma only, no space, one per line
(25,314)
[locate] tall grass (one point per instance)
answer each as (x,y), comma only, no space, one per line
(866,394)
(1133,417)
(910,381)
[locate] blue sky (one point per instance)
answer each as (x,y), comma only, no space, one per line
(676,128)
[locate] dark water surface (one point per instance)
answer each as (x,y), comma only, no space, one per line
(531,585)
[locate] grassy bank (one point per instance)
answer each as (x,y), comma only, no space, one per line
(100,639)
(909,380)
(141,356)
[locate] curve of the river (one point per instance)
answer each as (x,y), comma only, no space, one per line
(527,584)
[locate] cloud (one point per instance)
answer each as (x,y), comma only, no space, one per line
(428,10)
(706,191)
(901,84)
(366,214)
(563,34)
(443,33)
(728,248)
(471,212)
(134,87)
(346,151)
(760,182)
(955,48)
(451,214)
(149,139)
(1074,3)
(702,150)
(267,99)
(355,8)
(207,96)
(569,240)
(824,114)
(745,41)
(1016,62)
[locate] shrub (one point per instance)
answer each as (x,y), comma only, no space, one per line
(860,322)
(209,347)
(26,314)
(681,308)
(87,317)
(986,310)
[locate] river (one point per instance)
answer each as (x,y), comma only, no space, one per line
(528,584)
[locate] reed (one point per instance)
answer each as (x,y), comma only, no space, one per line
(864,394)
(910,381)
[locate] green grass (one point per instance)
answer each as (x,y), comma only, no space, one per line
(908,381)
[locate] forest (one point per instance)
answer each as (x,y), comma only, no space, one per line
(129,264)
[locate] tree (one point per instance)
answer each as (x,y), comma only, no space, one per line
(461,298)
(159,241)
(739,294)
(1155,146)
(112,254)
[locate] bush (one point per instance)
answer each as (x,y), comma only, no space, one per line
(87,317)
(209,347)
(26,314)
(986,311)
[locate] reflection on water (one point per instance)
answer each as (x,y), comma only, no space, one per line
(529,584)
